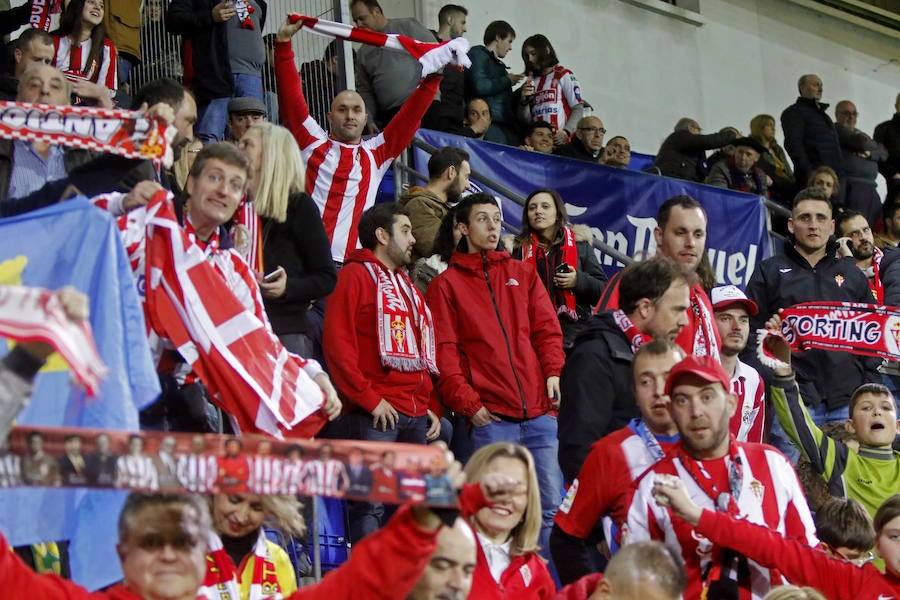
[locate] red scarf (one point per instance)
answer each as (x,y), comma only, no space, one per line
(533,252)
(873,273)
(403,322)
(41,11)
(705,329)
(222,580)
(635,337)
(246,231)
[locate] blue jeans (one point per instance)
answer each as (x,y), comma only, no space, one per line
(368,517)
(210,125)
(539,436)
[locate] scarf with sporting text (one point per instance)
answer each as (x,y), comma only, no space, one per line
(222,580)
(403,322)
(534,253)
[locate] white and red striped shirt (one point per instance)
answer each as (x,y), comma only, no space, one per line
(748,422)
(769,495)
(197,472)
(555,95)
(265,475)
(292,473)
(136,472)
(326,478)
(73,60)
(343,179)
(10,471)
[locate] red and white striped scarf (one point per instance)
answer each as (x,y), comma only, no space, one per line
(246,231)
(41,10)
(403,322)
(222,580)
(705,329)
(563,299)
(432,56)
(250,374)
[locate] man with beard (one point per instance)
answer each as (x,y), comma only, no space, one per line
(806,271)
(380,347)
(448,178)
(856,240)
(733,311)
(753,481)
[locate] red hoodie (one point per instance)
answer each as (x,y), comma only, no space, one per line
(498,337)
(351,346)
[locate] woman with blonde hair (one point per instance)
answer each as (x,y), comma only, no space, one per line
(296,253)
(508,563)
(773,163)
(794,592)
(241,562)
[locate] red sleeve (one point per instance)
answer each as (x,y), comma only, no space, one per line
(387,564)
(342,352)
(472,499)
(456,391)
(600,485)
(799,563)
(546,334)
(18,582)
(292,106)
(399,132)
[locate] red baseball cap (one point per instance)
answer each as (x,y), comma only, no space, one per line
(706,368)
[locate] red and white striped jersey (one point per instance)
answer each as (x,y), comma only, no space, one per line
(343,179)
(749,420)
(73,60)
(10,470)
(265,475)
(769,494)
(197,472)
(326,478)
(555,95)
(604,484)
(292,473)
(136,472)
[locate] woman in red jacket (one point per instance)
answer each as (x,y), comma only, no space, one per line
(508,563)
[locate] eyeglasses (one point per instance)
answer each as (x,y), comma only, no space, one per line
(592,129)
(849,113)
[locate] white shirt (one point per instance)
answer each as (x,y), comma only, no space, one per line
(497,556)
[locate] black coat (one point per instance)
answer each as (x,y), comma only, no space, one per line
(888,135)
(683,154)
(597,391)
(810,139)
(788,279)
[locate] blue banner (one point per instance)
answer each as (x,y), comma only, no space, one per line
(74,243)
(620,205)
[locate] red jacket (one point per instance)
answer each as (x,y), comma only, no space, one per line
(351,348)
(581,589)
(498,337)
(799,563)
(408,546)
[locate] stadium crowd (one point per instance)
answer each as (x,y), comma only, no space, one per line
(629,436)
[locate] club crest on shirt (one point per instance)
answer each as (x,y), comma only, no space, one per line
(758,489)
(839,280)
(525,571)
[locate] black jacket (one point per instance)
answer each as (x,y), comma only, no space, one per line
(788,279)
(301,246)
(888,134)
(207,70)
(683,154)
(597,391)
(810,139)
(577,149)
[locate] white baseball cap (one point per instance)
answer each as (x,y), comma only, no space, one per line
(726,295)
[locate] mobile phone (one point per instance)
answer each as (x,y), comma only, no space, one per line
(563,267)
(273,275)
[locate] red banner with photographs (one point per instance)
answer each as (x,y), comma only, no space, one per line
(167,462)
(122,132)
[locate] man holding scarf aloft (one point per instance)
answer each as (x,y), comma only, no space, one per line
(752,481)
(380,347)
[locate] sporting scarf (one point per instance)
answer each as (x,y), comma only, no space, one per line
(862,329)
(35,314)
(405,333)
(121,132)
(244,10)
(720,581)
(41,10)
(704,326)
(873,273)
(246,231)
(431,56)
(533,252)
(222,580)
(635,337)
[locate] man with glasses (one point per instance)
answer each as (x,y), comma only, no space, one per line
(587,143)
